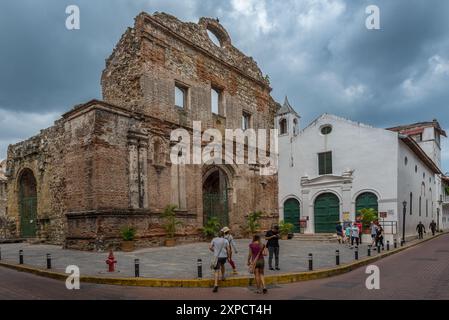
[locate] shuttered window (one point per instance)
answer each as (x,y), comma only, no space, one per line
(325,163)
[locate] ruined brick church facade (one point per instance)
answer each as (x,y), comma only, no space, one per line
(106,164)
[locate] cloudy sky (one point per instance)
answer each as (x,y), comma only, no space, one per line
(318,52)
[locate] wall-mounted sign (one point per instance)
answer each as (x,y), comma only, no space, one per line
(383,215)
(346,216)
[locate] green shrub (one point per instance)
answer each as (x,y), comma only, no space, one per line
(368,215)
(211,227)
(170,220)
(128,233)
(285,228)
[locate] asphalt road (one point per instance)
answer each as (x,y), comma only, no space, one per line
(421,272)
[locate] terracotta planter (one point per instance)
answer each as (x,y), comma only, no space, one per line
(284,237)
(127,246)
(170,242)
(366,231)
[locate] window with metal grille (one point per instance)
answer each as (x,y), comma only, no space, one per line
(325,163)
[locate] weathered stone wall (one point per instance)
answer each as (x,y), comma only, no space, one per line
(43,155)
(106,165)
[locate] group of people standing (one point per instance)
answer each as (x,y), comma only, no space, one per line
(352,233)
(223,247)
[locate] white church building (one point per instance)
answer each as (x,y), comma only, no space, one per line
(334,167)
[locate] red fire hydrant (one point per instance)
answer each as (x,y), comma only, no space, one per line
(111,262)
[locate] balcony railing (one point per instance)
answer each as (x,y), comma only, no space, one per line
(390,227)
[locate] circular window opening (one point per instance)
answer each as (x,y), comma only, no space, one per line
(213,37)
(325,130)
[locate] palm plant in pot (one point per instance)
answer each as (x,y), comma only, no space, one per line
(211,228)
(128,234)
(170,224)
(285,228)
(368,215)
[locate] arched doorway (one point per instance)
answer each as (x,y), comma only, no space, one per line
(215,196)
(367,200)
(327,213)
(27,204)
(292,213)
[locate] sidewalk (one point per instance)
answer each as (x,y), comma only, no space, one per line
(178,262)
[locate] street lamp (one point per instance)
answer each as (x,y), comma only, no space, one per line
(404,204)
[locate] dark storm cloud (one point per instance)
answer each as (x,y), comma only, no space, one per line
(316,51)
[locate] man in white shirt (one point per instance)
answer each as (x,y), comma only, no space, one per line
(220,247)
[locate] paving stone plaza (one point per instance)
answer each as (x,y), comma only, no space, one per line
(178,262)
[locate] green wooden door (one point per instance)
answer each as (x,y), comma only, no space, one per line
(366,200)
(216,205)
(28,215)
(327,213)
(28,204)
(292,213)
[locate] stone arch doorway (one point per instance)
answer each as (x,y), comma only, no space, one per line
(292,213)
(27,204)
(215,196)
(327,213)
(366,200)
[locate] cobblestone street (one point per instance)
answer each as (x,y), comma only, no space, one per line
(178,262)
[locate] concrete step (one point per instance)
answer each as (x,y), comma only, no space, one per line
(321,237)
(15,240)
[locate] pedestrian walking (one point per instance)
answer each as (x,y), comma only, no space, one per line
(272,236)
(433,227)
(373,228)
(355,236)
(340,235)
(220,247)
(256,263)
(348,234)
(421,230)
(359,225)
(380,238)
(232,248)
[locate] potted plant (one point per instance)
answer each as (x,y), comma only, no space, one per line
(170,224)
(252,222)
(285,228)
(211,227)
(368,215)
(128,234)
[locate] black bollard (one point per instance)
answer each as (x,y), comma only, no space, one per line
(388,245)
(0,253)
(395,243)
(48,261)
(378,248)
(369,251)
(337,257)
(356,253)
(200,268)
(136,268)
(20,256)
(310,262)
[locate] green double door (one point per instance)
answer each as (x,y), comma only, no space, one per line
(292,213)
(327,213)
(366,200)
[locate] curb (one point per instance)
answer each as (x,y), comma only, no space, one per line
(207,283)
